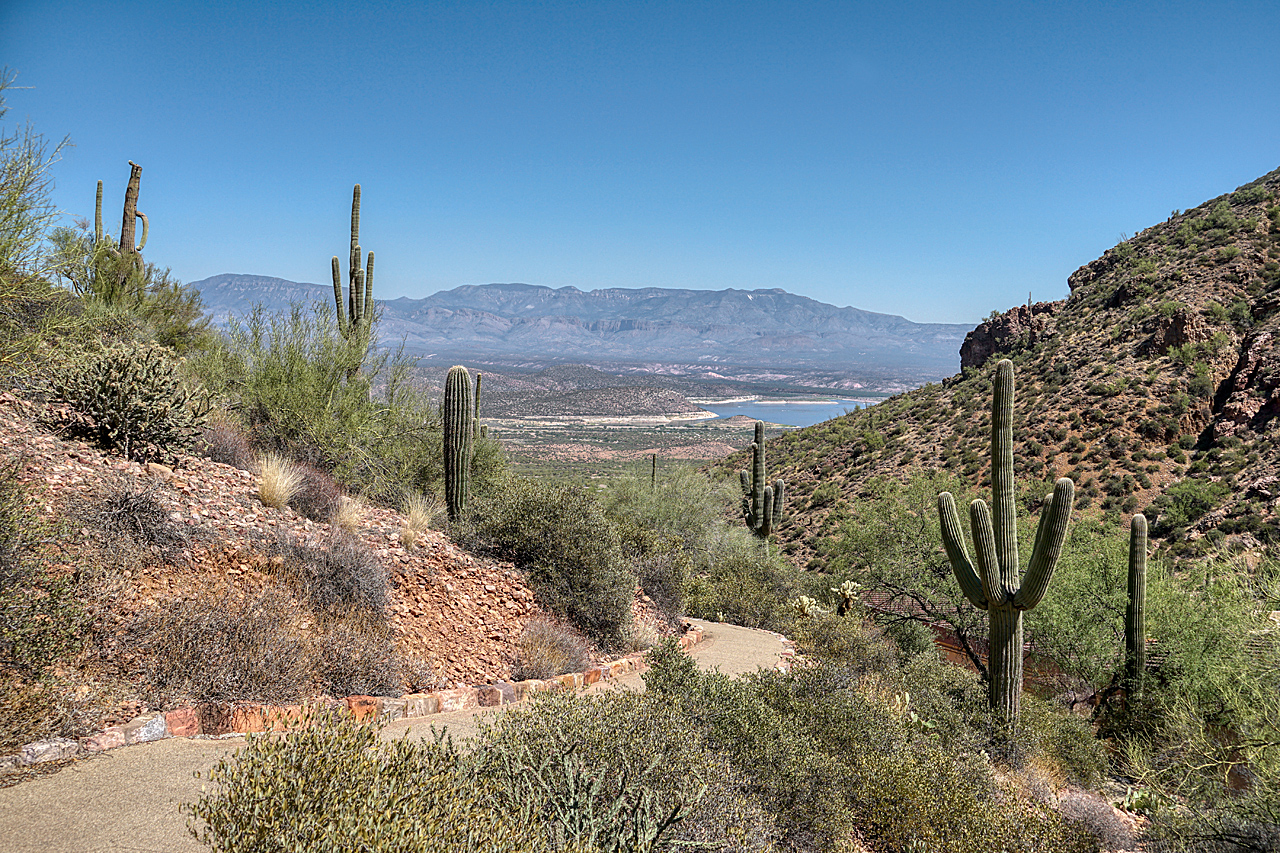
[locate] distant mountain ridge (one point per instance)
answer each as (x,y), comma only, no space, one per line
(771,327)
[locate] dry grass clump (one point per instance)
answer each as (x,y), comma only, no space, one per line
(347,515)
(318,497)
(39,710)
(336,571)
(421,513)
(356,655)
(223,441)
(213,649)
(547,649)
(139,516)
(279,480)
(1098,818)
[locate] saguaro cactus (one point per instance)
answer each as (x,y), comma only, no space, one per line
(358,316)
(476,429)
(457,440)
(761,503)
(995,584)
(128,225)
(1135,618)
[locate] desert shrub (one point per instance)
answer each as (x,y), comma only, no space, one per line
(683,503)
(1183,503)
(546,649)
(571,552)
(40,615)
(32,710)
(618,772)
(335,785)
(305,391)
(740,581)
(338,570)
(356,655)
(1098,818)
(213,648)
(279,480)
(661,567)
(134,399)
(138,515)
(830,758)
(318,496)
(223,441)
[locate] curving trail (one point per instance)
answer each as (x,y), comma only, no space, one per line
(127,799)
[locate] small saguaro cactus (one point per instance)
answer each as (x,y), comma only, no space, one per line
(357,318)
(1135,619)
(761,503)
(476,429)
(458,436)
(995,585)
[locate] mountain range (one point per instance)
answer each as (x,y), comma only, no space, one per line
(532,322)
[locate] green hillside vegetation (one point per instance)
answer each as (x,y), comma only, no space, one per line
(1143,392)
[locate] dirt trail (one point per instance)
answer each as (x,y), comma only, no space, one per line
(127,799)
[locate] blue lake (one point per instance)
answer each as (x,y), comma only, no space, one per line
(793,414)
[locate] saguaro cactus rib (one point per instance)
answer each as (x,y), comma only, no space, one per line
(996,585)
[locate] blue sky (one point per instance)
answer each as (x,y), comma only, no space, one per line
(934,160)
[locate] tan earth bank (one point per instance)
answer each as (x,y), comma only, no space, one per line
(456,614)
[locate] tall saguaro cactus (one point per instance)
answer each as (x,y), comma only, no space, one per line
(129,223)
(356,319)
(457,440)
(761,503)
(995,584)
(475,427)
(1135,617)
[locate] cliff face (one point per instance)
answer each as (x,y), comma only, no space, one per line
(1155,386)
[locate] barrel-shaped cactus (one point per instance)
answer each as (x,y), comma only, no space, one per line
(995,584)
(1135,620)
(761,502)
(456,415)
(354,322)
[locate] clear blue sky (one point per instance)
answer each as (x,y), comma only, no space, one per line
(934,160)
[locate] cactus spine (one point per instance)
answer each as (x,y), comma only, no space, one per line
(356,320)
(761,503)
(1135,619)
(457,440)
(995,584)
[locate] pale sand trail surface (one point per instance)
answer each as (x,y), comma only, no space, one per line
(127,799)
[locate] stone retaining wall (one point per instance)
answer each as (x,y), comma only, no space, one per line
(229,719)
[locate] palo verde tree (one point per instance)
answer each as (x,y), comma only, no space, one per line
(995,584)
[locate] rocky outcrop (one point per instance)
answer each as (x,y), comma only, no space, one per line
(1248,398)
(1018,327)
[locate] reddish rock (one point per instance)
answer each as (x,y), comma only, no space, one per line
(591,676)
(182,722)
(109,738)
(422,704)
(1025,324)
(362,707)
(458,699)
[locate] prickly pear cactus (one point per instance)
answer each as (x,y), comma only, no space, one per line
(995,584)
(761,503)
(456,414)
(133,399)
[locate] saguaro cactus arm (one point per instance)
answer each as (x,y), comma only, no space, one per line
(1050,534)
(957,554)
(984,549)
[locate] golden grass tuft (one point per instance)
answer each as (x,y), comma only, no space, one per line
(421,513)
(347,515)
(279,480)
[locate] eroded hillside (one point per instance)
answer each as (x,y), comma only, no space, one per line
(1153,386)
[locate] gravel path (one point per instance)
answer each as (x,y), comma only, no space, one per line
(127,799)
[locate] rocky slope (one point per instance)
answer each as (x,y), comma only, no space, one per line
(757,327)
(1153,385)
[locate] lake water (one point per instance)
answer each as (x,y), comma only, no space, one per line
(792,414)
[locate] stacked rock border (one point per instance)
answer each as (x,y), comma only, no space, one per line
(231,719)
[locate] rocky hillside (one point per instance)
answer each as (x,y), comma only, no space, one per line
(531,322)
(576,391)
(1153,386)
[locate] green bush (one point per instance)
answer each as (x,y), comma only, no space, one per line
(739,581)
(305,391)
(336,786)
(560,536)
(134,398)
